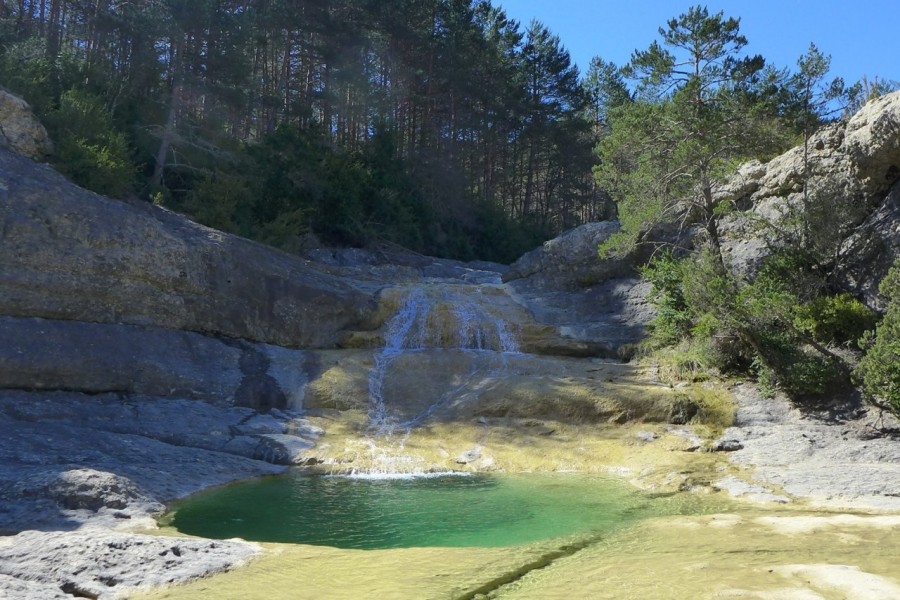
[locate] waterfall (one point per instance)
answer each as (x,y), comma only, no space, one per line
(406,329)
(436,318)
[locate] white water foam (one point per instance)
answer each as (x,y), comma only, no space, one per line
(430,318)
(421,324)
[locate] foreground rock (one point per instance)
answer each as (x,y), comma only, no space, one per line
(71,459)
(840,457)
(76,469)
(38,565)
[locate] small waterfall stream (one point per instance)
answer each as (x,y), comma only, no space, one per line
(434,319)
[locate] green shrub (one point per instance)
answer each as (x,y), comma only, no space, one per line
(796,369)
(221,202)
(879,370)
(89,150)
(673,319)
(835,319)
(690,360)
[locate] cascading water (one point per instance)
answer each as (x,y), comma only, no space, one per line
(435,319)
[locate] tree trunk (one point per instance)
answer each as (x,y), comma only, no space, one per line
(165,140)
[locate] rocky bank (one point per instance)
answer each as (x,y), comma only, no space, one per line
(144,358)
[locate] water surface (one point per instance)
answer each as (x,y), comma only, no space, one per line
(448,511)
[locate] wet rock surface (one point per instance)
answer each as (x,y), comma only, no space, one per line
(397,265)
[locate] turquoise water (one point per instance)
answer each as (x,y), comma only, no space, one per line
(449,511)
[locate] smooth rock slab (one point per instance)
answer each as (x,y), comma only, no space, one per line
(100,564)
(830,459)
(70,254)
(67,459)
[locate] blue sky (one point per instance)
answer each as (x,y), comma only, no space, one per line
(860,35)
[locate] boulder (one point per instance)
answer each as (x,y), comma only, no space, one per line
(581,305)
(70,254)
(88,489)
(570,260)
(872,143)
(20,131)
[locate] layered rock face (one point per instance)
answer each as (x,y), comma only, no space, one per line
(137,350)
(70,254)
(857,159)
(587,306)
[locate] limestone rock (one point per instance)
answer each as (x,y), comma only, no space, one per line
(746,181)
(89,489)
(582,305)
(859,159)
(12,588)
(107,565)
(875,247)
(67,459)
(44,354)
(20,131)
(397,265)
(469,456)
(73,255)
(827,456)
(727,445)
(601,320)
(570,260)
(872,143)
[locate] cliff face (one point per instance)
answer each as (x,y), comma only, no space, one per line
(73,255)
(115,318)
(857,160)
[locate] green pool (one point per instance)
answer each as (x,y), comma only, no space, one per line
(447,511)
